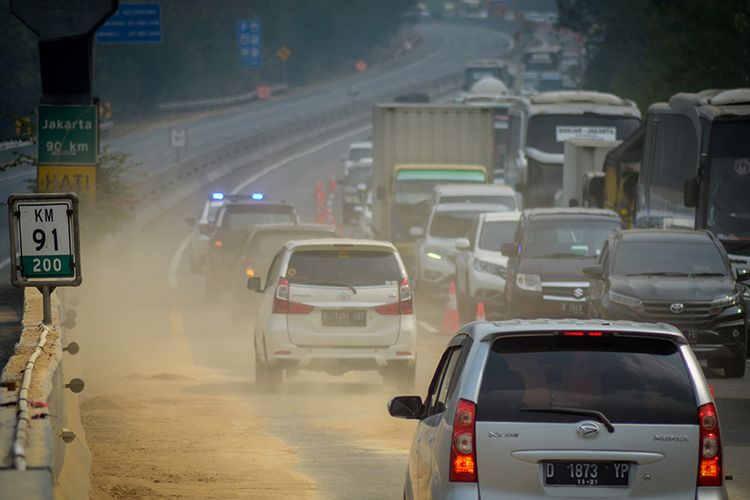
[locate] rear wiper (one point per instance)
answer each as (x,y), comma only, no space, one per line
(601,417)
(658,274)
(329,283)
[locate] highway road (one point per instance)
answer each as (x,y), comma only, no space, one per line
(171,407)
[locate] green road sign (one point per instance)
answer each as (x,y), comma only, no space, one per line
(68,135)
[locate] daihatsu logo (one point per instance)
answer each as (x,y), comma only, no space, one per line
(677,308)
(587,429)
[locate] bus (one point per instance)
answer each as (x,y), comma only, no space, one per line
(695,167)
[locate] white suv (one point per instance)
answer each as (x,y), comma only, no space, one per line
(360,153)
(335,305)
(480,267)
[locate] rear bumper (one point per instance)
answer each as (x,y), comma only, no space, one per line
(705,493)
(280,350)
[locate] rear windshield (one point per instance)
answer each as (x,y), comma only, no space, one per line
(507,202)
(628,379)
(269,243)
(358,154)
(246,217)
(641,258)
(353,267)
(452,225)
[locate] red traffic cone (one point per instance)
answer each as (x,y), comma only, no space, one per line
(480,312)
(450,318)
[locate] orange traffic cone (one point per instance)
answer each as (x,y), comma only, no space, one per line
(450,318)
(480,312)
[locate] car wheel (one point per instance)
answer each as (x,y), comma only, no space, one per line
(735,368)
(261,374)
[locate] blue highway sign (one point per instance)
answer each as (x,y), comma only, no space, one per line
(132,23)
(250,43)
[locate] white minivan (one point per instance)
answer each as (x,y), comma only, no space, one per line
(335,305)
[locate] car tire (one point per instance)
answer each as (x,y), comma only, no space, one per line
(261,374)
(735,368)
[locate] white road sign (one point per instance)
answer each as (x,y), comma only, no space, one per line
(178,138)
(583,133)
(44,237)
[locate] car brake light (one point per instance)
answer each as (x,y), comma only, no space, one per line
(582,334)
(249,270)
(218,243)
(282,304)
(709,465)
(463,465)
(405,304)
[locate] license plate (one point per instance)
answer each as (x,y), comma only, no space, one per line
(565,473)
(574,308)
(344,317)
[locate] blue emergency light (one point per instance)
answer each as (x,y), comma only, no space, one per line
(217,196)
(258,196)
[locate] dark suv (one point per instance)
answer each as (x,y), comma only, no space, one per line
(550,249)
(679,277)
(233,223)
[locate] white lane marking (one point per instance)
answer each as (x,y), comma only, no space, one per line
(428,327)
(5,263)
(177,257)
(175,262)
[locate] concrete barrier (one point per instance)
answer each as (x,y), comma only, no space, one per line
(36,462)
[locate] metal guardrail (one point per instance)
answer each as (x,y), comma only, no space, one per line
(217,102)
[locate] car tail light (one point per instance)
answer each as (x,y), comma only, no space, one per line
(405,304)
(463,443)
(709,464)
(282,304)
(218,243)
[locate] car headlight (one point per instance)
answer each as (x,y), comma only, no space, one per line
(432,254)
(725,301)
(529,282)
(489,267)
(625,300)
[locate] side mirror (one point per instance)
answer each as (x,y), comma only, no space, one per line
(416,231)
(509,249)
(743,274)
(190,221)
(204,229)
(463,244)
(254,284)
(594,272)
(405,407)
(690,189)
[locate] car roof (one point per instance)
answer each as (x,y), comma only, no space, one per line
(467,207)
(488,331)
(563,212)
(291,227)
(253,203)
(673,235)
(479,189)
(361,145)
(329,243)
(501,216)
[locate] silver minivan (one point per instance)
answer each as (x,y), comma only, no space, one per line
(565,409)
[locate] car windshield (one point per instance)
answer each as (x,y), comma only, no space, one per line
(451,225)
(567,238)
(359,176)
(548,133)
(728,201)
(495,233)
(668,257)
(628,379)
(344,265)
(357,154)
(416,186)
(245,218)
(507,202)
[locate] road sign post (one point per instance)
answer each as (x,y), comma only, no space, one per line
(178,140)
(44,243)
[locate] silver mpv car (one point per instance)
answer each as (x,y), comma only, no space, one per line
(565,409)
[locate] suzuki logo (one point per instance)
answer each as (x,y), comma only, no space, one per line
(587,429)
(578,293)
(677,308)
